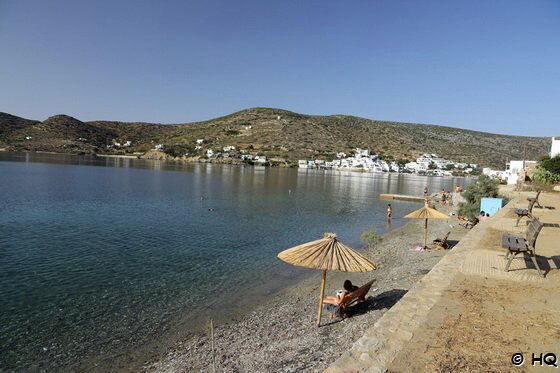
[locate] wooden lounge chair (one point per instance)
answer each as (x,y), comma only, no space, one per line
(535,199)
(467,223)
(523,245)
(442,244)
(358,295)
(528,212)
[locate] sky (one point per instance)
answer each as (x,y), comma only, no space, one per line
(491,66)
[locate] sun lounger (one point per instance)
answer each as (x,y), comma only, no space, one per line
(442,244)
(535,199)
(523,245)
(467,223)
(358,295)
(528,212)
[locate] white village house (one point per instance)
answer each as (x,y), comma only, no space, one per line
(555,147)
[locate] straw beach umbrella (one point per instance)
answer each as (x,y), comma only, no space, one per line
(327,254)
(426,212)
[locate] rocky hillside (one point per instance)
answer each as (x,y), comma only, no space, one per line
(272,132)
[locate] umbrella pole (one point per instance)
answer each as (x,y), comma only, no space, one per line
(320,313)
(426,234)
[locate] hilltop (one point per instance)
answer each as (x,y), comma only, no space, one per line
(275,133)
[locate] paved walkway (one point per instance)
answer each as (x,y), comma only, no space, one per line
(469,293)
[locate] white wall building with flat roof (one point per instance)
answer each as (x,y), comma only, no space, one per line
(555,147)
(512,168)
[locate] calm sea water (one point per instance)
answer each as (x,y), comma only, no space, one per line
(99,266)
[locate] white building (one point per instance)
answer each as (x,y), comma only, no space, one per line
(229,148)
(158,146)
(200,141)
(361,152)
(555,147)
(512,168)
(209,153)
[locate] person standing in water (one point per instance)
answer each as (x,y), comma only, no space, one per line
(426,191)
(389,213)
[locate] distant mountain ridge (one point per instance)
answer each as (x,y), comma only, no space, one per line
(276,133)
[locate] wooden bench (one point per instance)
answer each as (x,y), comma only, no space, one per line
(535,199)
(523,245)
(528,212)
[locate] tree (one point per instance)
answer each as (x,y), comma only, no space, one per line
(551,164)
(402,162)
(485,187)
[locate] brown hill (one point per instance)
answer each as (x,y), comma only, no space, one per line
(275,133)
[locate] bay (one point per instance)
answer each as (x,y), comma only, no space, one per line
(109,258)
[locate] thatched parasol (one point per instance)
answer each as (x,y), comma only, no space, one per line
(426,212)
(327,254)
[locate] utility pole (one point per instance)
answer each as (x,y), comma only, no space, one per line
(524,154)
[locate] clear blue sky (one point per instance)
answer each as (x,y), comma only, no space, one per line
(484,65)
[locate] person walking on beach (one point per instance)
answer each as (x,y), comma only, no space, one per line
(443,197)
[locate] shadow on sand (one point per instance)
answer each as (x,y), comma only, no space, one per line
(384,300)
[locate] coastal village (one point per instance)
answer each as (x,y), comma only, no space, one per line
(365,160)
(359,160)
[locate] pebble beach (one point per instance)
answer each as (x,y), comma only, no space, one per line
(281,335)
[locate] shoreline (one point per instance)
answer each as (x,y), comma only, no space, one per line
(222,161)
(283,330)
(165,336)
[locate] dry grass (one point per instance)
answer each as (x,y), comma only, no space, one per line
(480,324)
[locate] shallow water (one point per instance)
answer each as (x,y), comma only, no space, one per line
(97,262)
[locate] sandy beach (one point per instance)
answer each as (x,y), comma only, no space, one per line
(281,335)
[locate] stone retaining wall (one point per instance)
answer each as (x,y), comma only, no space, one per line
(376,349)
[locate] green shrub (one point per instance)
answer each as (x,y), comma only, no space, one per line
(551,165)
(543,176)
(178,150)
(371,237)
(485,187)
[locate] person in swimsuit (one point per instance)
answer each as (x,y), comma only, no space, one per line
(340,294)
(389,213)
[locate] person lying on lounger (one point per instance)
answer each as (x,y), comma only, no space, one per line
(339,297)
